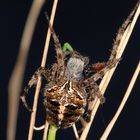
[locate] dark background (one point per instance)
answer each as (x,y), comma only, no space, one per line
(90,26)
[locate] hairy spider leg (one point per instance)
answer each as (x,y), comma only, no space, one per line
(93,91)
(49,75)
(59,51)
(58,46)
(43,72)
(113,60)
(102,68)
(121,31)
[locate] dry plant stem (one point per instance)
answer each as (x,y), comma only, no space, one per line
(49,34)
(46,130)
(83,122)
(125,98)
(75,131)
(18,72)
(105,81)
(33,115)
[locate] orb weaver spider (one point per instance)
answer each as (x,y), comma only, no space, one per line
(71,82)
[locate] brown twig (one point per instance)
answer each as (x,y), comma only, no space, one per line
(46,130)
(18,72)
(33,115)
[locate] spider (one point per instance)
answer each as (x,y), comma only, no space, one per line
(72,82)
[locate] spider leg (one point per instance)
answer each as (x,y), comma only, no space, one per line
(58,46)
(102,68)
(59,51)
(107,66)
(121,31)
(112,59)
(40,72)
(93,91)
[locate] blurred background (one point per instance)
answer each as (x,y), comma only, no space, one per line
(90,27)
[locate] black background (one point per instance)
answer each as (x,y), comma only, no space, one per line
(90,26)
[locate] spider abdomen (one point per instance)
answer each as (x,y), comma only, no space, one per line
(64,104)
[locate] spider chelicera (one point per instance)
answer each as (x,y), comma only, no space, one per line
(71,82)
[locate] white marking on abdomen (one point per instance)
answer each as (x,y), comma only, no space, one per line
(61,112)
(70,91)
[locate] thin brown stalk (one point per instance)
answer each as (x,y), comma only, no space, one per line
(125,98)
(33,115)
(46,130)
(75,131)
(83,122)
(18,72)
(106,79)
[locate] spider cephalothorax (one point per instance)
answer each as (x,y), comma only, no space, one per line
(71,85)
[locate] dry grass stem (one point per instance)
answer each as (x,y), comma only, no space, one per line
(46,130)
(83,122)
(33,115)
(75,131)
(106,79)
(125,98)
(18,72)
(44,58)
